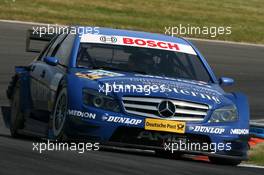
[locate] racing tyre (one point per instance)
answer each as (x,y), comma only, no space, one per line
(59,115)
(168,154)
(16,116)
(223,161)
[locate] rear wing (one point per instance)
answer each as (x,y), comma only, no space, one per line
(38,36)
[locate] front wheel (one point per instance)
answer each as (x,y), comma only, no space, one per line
(224,161)
(16,116)
(168,154)
(59,115)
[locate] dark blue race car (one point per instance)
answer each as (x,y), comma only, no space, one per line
(129,89)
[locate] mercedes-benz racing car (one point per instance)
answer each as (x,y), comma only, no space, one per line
(129,89)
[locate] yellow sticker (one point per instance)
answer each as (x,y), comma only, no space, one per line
(88,76)
(164,125)
(93,77)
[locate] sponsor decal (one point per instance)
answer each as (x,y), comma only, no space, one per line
(108,39)
(200,83)
(81,114)
(149,87)
(87,75)
(183,87)
(150,43)
(137,42)
(124,120)
(164,125)
(97,74)
(155,136)
(239,131)
(207,129)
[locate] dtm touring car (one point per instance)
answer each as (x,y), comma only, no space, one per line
(93,87)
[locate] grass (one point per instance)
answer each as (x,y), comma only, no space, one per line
(245,17)
(256,155)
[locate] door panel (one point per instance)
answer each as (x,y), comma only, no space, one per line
(46,78)
(43,77)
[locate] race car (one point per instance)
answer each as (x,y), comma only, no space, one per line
(128,89)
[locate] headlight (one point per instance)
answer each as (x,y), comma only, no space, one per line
(224,114)
(98,100)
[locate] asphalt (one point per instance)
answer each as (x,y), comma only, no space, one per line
(242,62)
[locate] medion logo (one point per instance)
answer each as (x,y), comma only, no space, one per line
(81,114)
(239,131)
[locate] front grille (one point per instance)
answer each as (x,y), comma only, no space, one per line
(148,107)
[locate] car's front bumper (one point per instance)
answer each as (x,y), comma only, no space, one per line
(136,136)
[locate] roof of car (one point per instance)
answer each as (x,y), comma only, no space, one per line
(137,34)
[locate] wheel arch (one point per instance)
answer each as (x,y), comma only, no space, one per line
(241,102)
(56,87)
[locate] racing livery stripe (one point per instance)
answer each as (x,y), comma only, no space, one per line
(137,42)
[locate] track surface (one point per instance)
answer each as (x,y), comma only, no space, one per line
(242,62)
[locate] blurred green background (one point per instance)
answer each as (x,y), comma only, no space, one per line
(246,17)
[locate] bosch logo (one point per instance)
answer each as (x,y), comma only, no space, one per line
(151,43)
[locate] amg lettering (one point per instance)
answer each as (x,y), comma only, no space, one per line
(157,136)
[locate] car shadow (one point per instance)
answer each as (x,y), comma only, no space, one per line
(6,112)
(183,157)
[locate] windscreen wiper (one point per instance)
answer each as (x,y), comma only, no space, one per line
(107,68)
(117,69)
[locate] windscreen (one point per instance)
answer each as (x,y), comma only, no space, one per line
(148,61)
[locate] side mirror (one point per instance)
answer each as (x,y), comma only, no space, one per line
(53,61)
(225,81)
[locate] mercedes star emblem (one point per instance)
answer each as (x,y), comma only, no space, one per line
(166,108)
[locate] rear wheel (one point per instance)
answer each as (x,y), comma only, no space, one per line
(16,116)
(59,115)
(224,161)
